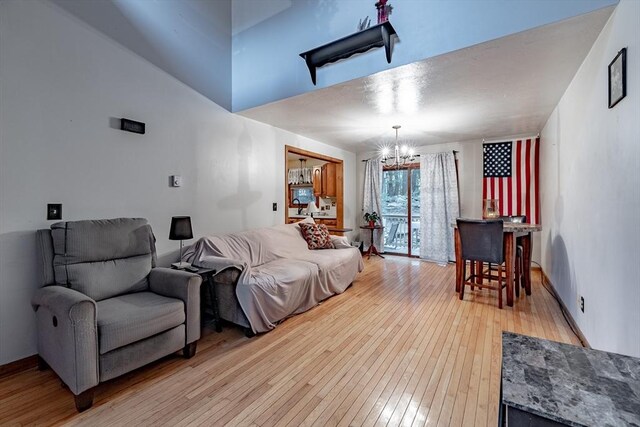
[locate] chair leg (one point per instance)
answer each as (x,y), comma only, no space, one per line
(472,267)
(500,286)
(84,400)
(517,278)
(189,350)
(462,279)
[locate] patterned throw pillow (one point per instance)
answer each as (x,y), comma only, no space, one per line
(316,235)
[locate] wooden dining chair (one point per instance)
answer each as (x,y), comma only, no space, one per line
(518,281)
(482,241)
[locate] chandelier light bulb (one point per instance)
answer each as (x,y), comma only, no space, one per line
(400,155)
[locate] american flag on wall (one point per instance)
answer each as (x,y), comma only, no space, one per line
(511,174)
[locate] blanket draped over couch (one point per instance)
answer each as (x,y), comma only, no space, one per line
(280,276)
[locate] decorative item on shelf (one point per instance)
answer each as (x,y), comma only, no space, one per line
(180,230)
(400,156)
(312,209)
(363,24)
(372,218)
(618,78)
(384,10)
(490,209)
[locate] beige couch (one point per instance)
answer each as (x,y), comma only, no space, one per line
(268,274)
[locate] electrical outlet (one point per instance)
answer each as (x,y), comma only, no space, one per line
(275,207)
(582,304)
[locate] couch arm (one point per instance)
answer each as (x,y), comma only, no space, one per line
(182,285)
(68,335)
(340,242)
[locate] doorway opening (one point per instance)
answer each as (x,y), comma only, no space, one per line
(313,179)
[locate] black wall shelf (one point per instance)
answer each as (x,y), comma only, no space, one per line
(377,36)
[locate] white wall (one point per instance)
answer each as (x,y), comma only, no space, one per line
(590,182)
(61,83)
(189,39)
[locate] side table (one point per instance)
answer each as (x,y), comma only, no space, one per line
(207,275)
(372,248)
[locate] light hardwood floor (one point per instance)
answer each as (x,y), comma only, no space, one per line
(397,348)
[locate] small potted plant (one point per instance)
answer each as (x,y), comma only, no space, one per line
(372,218)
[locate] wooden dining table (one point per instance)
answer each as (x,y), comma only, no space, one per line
(512,231)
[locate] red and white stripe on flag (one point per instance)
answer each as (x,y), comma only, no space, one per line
(518,194)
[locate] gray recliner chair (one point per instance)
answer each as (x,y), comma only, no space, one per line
(105,309)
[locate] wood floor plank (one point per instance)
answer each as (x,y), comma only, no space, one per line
(397,348)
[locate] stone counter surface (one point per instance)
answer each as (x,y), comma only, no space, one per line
(570,384)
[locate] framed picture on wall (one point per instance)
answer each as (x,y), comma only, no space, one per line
(618,78)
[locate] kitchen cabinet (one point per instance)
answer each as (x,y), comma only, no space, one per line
(317,181)
(328,180)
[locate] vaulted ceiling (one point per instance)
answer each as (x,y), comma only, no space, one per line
(507,86)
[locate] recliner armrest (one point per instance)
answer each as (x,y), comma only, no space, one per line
(66,302)
(68,335)
(184,286)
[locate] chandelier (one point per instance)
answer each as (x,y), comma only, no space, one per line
(400,156)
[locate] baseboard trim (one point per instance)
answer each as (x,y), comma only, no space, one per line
(18,366)
(569,317)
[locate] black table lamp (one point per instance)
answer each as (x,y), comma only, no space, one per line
(180,230)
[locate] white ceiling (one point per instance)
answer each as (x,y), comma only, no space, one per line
(507,86)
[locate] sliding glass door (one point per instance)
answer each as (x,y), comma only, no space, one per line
(401,210)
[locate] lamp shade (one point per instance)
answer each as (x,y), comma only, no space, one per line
(312,208)
(180,228)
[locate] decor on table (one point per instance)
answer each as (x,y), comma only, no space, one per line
(384,10)
(180,230)
(618,78)
(316,235)
(400,156)
(490,209)
(511,176)
(372,218)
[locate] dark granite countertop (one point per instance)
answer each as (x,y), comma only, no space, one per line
(570,384)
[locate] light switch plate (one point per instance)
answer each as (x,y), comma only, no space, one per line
(54,211)
(176,181)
